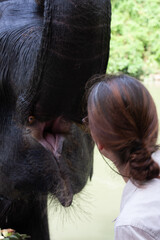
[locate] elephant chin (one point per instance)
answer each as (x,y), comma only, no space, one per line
(65,195)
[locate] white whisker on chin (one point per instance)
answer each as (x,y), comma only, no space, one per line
(79,211)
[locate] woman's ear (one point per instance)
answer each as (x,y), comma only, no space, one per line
(100,147)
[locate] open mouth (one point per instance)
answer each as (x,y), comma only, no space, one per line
(51,136)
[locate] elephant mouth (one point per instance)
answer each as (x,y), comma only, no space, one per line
(51,135)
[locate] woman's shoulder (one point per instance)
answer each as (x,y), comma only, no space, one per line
(141,201)
(141,216)
(134,232)
(140,206)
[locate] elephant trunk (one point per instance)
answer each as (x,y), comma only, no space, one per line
(74,46)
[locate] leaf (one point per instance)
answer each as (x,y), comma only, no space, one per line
(134,46)
(13,237)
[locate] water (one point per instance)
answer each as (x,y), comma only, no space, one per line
(93,212)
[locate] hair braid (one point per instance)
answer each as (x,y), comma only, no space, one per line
(142,165)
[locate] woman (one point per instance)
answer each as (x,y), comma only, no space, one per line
(123,122)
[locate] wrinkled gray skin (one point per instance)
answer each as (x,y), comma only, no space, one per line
(48,50)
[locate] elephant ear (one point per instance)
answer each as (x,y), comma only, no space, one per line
(20,33)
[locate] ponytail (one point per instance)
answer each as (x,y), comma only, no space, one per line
(142,166)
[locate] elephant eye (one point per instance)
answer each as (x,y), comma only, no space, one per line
(31,119)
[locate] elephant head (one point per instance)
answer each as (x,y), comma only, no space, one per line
(48,50)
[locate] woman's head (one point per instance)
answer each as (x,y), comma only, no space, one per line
(123,119)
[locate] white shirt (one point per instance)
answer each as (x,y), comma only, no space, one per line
(139,217)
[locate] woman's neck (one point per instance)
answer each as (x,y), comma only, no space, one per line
(122,169)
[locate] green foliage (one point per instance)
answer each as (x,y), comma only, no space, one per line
(17,236)
(10,234)
(135,37)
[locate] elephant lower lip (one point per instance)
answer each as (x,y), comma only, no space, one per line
(66,203)
(65,196)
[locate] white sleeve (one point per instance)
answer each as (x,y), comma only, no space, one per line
(131,233)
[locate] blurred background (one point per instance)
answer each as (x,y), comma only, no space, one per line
(135,50)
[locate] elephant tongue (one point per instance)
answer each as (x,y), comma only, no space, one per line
(54,137)
(55,143)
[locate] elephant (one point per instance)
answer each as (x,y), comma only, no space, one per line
(48,51)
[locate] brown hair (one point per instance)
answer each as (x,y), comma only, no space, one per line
(123,117)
